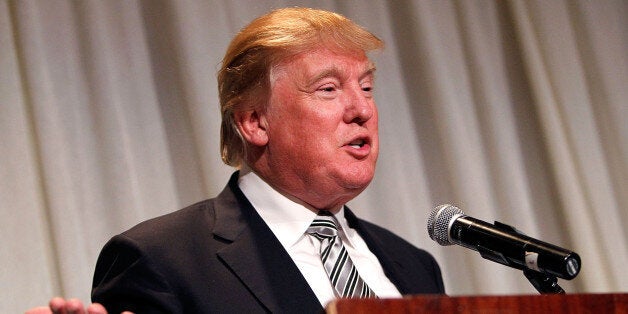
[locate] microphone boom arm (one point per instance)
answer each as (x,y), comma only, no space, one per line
(544,283)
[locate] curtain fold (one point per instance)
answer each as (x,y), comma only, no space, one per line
(573,140)
(514,111)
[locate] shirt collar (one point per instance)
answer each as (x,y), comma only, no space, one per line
(288,218)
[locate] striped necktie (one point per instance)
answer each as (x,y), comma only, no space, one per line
(338,265)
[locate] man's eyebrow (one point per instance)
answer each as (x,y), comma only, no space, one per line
(329,72)
(370,70)
(336,72)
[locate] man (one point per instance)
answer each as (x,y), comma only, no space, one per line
(300,124)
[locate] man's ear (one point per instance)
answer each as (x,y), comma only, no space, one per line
(253,127)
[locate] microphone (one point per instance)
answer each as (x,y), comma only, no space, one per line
(500,243)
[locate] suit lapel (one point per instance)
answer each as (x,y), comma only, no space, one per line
(258,258)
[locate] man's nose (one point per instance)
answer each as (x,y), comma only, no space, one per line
(360,106)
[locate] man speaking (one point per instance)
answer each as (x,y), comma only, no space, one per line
(300,125)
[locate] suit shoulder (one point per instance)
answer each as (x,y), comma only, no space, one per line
(163,243)
(173,225)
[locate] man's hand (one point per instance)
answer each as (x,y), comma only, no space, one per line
(70,306)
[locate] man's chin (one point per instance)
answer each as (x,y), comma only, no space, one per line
(357,183)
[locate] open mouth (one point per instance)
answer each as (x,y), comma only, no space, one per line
(358,143)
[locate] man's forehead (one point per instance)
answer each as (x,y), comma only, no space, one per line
(316,64)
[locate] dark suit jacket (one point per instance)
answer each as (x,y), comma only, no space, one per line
(219,256)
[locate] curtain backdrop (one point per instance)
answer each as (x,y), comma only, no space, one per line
(515,111)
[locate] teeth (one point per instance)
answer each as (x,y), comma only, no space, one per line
(357,143)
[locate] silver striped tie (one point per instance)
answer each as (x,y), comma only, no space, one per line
(338,265)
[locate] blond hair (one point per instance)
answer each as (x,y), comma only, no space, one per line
(244,78)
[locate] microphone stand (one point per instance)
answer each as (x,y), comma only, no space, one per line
(544,284)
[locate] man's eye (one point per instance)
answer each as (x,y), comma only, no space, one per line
(367,86)
(328,89)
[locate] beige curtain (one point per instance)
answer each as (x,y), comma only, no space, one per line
(515,111)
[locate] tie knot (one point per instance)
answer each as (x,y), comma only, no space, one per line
(324,226)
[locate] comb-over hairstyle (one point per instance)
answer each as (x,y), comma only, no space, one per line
(244,78)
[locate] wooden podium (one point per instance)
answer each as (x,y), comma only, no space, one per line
(554,303)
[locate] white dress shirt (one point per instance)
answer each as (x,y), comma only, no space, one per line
(289,220)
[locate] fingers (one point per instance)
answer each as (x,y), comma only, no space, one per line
(74,306)
(57,305)
(96,308)
(71,306)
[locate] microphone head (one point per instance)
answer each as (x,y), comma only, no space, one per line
(439,221)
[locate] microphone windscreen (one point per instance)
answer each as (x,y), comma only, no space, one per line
(439,220)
